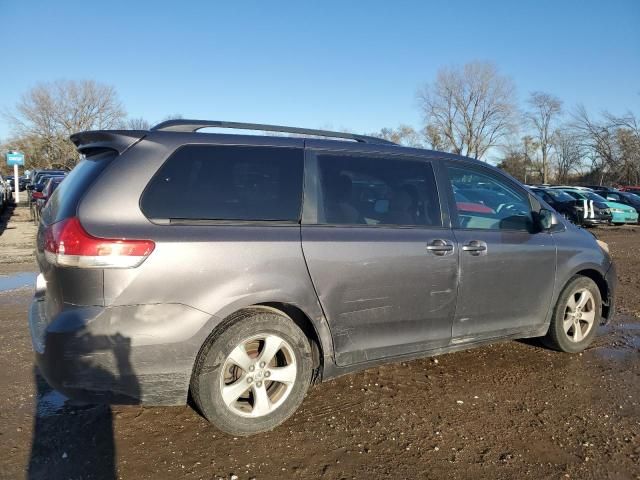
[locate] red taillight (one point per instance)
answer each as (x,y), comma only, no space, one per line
(66,243)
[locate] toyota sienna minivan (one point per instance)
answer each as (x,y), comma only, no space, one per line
(239,269)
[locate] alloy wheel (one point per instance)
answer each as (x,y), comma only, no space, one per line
(258,375)
(579,315)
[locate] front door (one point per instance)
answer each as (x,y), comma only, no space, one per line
(507,268)
(384,267)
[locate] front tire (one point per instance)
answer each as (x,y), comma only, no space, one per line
(252,375)
(576,316)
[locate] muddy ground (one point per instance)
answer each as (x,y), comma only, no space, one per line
(510,410)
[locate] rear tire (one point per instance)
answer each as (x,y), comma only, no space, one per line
(252,374)
(576,316)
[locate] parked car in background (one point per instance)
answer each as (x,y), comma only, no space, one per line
(36,176)
(620,213)
(42,197)
(599,189)
(239,269)
(6,193)
(3,201)
(22,183)
(36,197)
(9,180)
(576,210)
(43,179)
(630,189)
(628,198)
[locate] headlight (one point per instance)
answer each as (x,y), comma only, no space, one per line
(604,246)
(617,210)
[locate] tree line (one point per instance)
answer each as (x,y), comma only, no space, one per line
(470,110)
(46,115)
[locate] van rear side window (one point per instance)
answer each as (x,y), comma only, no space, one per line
(204,182)
(64,202)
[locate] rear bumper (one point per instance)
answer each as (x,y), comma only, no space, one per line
(127,354)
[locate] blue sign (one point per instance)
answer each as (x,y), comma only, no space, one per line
(15,158)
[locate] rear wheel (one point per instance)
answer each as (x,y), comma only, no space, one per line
(253,375)
(576,317)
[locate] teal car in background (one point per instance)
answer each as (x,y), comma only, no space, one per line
(620,212)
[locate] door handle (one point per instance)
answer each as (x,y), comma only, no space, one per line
(475,247)
(440,247)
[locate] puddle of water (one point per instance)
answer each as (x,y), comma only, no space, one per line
(620,340)
(623,341)
(52,403)
(629,326)
(17,281)
(616,354)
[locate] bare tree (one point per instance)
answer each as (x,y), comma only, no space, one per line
(138,123)
(568,154)
(434,138)
(50,112)
(403,135)
(518,160)
(613,144)
(597,140)
(470,108)
(529,149)
(544,110)
(514,163)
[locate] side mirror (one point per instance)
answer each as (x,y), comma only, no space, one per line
(546,219)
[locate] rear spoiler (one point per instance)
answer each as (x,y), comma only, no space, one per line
(118,140)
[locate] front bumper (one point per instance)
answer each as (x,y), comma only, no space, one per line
(611,279)
(624,217)
(120,354)
(596,221)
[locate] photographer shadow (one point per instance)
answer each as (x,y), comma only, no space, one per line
(76,440)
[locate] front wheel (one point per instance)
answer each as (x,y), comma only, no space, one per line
(253,375)
(576,316)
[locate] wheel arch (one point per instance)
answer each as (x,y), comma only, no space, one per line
(599,279)
(293,312)
(303,321)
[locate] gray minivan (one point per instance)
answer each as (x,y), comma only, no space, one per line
(239,269)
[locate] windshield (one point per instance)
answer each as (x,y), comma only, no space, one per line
(632,197)
(594,196)
(559,195)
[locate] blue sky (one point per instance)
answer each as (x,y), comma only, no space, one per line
(354,65)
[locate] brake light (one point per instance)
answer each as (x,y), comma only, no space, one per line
(67,244)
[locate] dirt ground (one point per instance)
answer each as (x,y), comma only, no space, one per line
(509,410)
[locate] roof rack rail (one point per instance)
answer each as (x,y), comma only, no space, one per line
(195,125)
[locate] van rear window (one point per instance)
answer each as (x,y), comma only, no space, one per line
(245,183)
(64,202)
